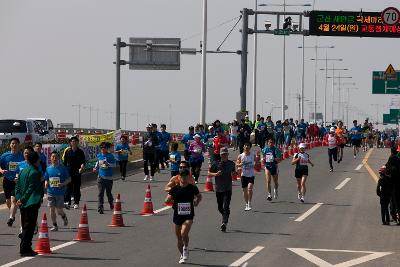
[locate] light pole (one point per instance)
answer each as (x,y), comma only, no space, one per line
(79,114)
(284,5)
(90,114)
(203,66)
(316,47)
(255,65)
(348,103)
(333,88)
(340,110)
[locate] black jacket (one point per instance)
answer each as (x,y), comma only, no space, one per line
(384,188)
(73,160)
(150,141)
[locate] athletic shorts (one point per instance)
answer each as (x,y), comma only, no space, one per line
(246,181)
(180,219)
(299,173)
(273,169)
(356,142)
(9,188)
(55,201)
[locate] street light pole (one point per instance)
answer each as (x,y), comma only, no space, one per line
(203,66)
(333,87)
(79,114)
(255,65)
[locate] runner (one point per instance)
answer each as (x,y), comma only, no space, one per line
(164,146)
(103,166)
(174,159)
(74,160)
(332,147)
(245,163)
(8,167)
(233,131)
(196,149)
(185,197)
(150,140)
(340,134)
(56,177)
(122,150)
(43,159)
(356,135)
(301,160)
(223,170)
(219,142)
(209,139)
(186,140)
(271,157)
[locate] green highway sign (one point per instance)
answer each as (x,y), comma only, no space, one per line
(382,84)
(281,32)
(387,119)
(394,113)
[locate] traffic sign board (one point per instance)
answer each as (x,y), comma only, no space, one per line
(381,84)
(391,16)
(390,73)
(389,119)
(281,32)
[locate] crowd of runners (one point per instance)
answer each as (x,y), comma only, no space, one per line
(260,143)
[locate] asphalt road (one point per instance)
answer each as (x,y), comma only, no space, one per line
(342,228)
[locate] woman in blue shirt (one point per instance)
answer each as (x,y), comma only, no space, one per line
(122,149)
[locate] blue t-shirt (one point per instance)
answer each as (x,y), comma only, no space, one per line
(279,129)
(165,137)
(356,133)
(9,161)
(21,165)
(55,175)
(104,170)
(186,140)
(301,129)
(208,139)
(270,155)
(174,155)
(125,151)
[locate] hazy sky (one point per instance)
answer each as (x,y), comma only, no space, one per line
(55,54)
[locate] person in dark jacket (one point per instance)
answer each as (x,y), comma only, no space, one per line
(384,190)
(244,132)
(74,159)
(393,170)
(29,192)
(150,142)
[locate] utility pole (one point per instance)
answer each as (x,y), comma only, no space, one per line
(203,66)
(79,114)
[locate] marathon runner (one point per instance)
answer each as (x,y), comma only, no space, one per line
(185,197)
(340,134)
(356,135)
(301,160)
(196,150)
(332,147)
(271,157)
(245,163)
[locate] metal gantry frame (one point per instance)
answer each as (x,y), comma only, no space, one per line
(246,31)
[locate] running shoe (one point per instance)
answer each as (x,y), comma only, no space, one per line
(269,198)
(302,199)
(299,196)
(10,221)
(249,206)
(65,220)
(185,254)
(29,254)
(67,206)
(122,178)
(331,170)
(146,178)
(76,206)
(275,193)
(100,210)
(223,227)
(181,260)
(151,178)
(54,228)
(354,156)
(246,207)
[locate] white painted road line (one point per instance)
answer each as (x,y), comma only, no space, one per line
(162,209)
(358,167)
(246,257)
(13,263)
(309,212)
(345,181)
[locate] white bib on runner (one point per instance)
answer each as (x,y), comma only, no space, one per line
(184,208)
(269,157)
(12,166)
(54,181)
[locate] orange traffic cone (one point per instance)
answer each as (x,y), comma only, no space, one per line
(209,187)
(43,243)
(235,177)
(117,220)
(285,153)
(83,228)
(148,204)
(291,152)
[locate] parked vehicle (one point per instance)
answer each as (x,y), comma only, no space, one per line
(24,130)
(46,128)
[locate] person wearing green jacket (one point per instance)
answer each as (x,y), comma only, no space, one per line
(29,192)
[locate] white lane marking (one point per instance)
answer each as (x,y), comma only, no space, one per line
(245,265)
(247,256)
(308,213)
(162,209)
(29,258)
(358,167)
(322,263)
(345,181)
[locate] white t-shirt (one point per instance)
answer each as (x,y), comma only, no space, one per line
(332,142)
(304,158)
(248,164)
(234,130)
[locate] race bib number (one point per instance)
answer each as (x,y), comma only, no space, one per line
(54,181)
(172,157)
(303,161)
(269,158)
(12,166)
(184,208)
(103,164)
(124,152)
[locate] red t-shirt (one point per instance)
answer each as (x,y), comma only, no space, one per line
(218,142)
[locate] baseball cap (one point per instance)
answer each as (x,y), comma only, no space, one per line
(302,145)
(149,125)
(223,150)
(197,135)
(210,127)
(332,129)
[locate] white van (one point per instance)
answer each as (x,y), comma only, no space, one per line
(46,130)
(24,130)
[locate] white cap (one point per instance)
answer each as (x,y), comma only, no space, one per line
(332,129)
(149,125)
(302,145)
(197,135)
(210,127)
